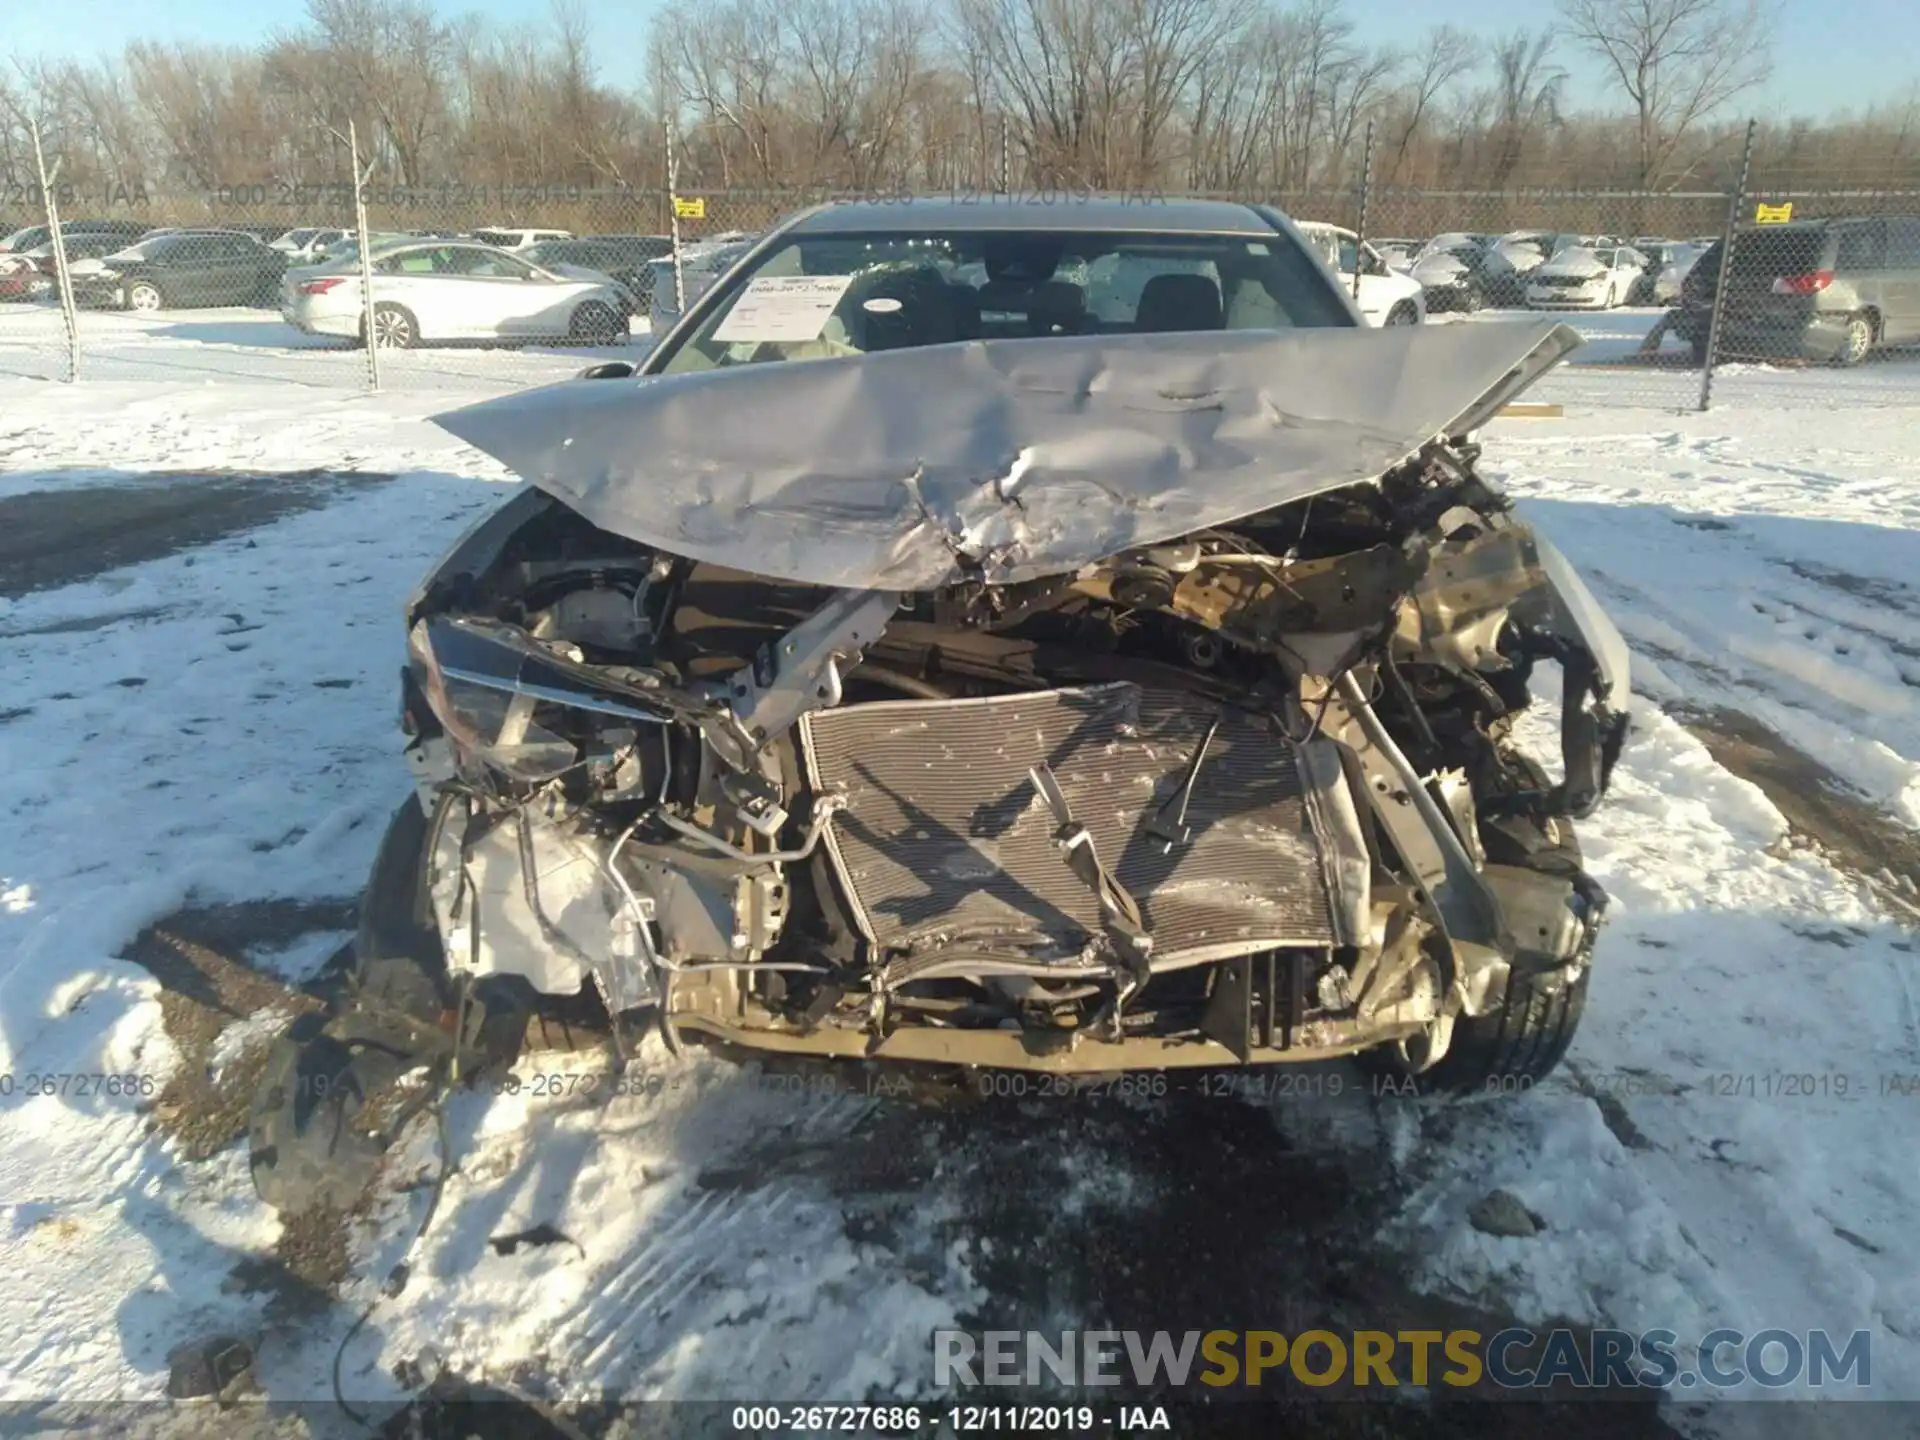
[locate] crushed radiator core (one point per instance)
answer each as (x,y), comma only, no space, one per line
(946,843)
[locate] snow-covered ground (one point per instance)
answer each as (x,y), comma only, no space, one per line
(212,723)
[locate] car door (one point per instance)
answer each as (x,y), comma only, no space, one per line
(225,270)
(1859,263)
(1380,288)
(1628,265)
(1373,299)
(422,279)
(510,297)
(184,268)
(1900,321)
(1899,281)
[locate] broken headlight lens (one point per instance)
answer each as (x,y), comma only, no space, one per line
(488,685)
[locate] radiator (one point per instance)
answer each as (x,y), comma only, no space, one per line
(945,843)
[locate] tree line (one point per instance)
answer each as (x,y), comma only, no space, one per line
(1214,96)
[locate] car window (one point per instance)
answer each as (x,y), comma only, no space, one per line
(1903,243)
(487,265)
(412,262)
(1761,253)
(1862,246)
(1348,254)
(821,295)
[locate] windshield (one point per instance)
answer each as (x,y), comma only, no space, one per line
(824,295)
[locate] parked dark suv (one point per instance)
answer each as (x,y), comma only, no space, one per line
(1820,289)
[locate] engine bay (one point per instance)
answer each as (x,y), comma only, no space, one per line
(1252,793)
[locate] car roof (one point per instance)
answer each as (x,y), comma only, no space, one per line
(1063,212)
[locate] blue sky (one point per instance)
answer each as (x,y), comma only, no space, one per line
(1829,54)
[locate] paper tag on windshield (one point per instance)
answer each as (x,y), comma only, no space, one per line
(783,307)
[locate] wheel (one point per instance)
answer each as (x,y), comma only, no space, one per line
(595,323)
(327,1109)
(1857,343)
(399,963)
(1403,314)
(394,327)
(144,296)
(400,966)
(1470,299)
(330,1104)
(1513,1048)
(1517,1044)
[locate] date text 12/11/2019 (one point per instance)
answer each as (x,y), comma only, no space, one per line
(1116,1420)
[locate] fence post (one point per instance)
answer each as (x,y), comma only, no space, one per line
(1006,158)
(1736,203)
(1360,230)
(366,258)
(63,277)
(673,218)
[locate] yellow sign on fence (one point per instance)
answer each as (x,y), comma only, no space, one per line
(1773,214)
(694,208)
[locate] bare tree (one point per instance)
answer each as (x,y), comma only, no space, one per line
(1444,56)
(1526,97)
(389,58)
(1678,61)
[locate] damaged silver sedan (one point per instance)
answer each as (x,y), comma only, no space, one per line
(1078,647)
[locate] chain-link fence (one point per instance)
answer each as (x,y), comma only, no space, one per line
(466,285)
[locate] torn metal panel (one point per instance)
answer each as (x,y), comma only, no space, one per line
(1002,460)
(946,844)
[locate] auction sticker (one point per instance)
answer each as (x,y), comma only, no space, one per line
(783,307)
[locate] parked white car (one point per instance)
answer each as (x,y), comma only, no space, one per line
(306,245)
(453,290)
(1680,259)
(1387,296)
(1581,278)
(510,237)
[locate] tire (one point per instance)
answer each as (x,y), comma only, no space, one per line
(312,1140)
(1471,299)
(399,963)
(400,966)
(1403,314)
(144,297)
(594,322)
(309,1141)
(394,327)
(1515,1046)
(1858,343)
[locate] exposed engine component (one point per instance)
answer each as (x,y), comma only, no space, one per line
(1223,797)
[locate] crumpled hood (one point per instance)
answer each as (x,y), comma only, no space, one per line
(1005,460)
